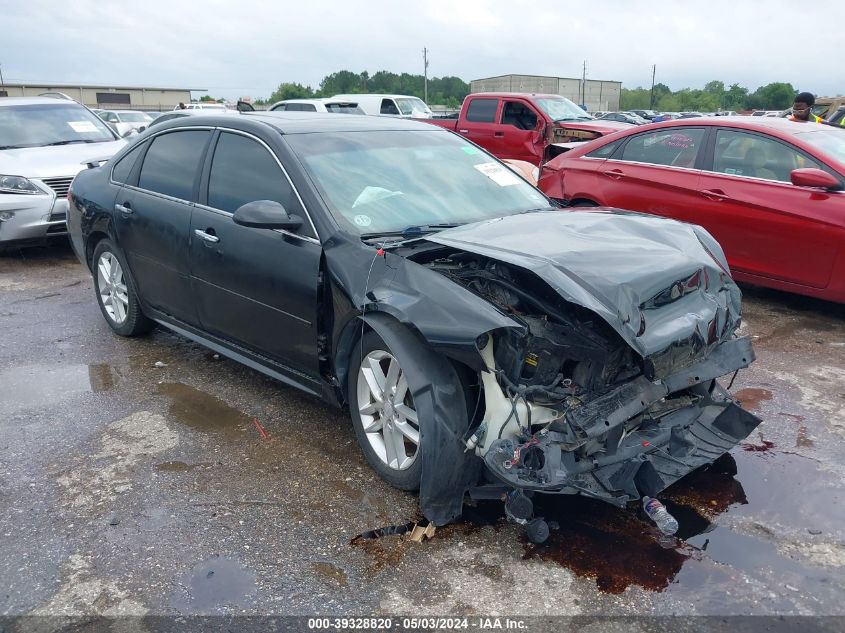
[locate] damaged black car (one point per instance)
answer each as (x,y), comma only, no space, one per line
(482,340)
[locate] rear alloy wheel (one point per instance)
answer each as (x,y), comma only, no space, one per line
(384,415)
(116,292)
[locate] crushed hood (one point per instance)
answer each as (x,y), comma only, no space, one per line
(616,263)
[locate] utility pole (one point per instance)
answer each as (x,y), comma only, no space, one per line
(2,84)
(425,75)
(584,85)
(653,73)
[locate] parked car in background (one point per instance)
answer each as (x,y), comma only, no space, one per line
(43,144)
(405,106)
(768,189)
(623,117)
(395,269)
(529,127)
(178,114)
(123,121)
(646,114)
(203,105)
(317,105)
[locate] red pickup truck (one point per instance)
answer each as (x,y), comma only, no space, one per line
(521,126)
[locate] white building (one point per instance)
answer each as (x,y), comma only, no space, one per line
(596,94)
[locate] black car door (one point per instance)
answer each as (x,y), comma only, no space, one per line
(255,287)
(153,219)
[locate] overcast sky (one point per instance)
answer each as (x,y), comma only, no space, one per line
(239,47)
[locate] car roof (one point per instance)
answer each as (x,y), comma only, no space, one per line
(307,122)
(13,101)
(771,125)
(505,95)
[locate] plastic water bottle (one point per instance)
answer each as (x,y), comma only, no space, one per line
(658,513)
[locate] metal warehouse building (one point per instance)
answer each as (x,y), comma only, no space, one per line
(107,97)
(597,94)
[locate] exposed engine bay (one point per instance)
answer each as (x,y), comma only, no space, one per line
(569,407)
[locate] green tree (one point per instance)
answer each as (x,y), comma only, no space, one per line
(775,96)
(208,99)
(734,98)
(291,91)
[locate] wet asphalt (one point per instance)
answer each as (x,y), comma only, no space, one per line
(150,476)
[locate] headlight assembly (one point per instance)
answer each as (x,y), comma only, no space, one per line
(18,184)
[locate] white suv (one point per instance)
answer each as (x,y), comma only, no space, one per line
(44,143)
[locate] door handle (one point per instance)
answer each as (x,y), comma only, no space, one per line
(499,134)
(715,194)
(124,208)
(615,174)
(208,237)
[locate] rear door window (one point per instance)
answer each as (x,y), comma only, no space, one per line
(482,110)
(171,163)
(676,147)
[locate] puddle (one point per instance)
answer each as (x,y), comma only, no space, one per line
(330,572)
(177,467)
(618,550)
(216,583)
(36,385)
(200,410)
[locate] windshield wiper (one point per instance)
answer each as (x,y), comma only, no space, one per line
(409,232)
(70,142)
(15,146)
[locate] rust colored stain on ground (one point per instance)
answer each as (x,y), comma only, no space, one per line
(596,540)
(331,572)
(751,397)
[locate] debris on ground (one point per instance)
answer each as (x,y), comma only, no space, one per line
(158,363)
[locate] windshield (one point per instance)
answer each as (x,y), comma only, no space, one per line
(38,125)
(134,117)
(562,109)
(411,105)
(386,181)
(830,142)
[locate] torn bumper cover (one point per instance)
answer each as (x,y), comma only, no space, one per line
(650,439)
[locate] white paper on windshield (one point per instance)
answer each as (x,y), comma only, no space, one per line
(80,127)
(371,194)
(498,174)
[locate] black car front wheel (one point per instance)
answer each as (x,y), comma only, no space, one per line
(117,293)
(383,413)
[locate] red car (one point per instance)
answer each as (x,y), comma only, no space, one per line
(768,189)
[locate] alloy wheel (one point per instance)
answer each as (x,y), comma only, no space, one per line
(112,287)
(387,410)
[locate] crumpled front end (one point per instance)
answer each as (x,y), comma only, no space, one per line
(609,387)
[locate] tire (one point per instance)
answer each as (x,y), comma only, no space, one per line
(387,428)
(583,203)
(116,292)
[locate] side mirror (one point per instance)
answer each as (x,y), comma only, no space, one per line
(812,177)
(130,133)
(243,106)
(266,214)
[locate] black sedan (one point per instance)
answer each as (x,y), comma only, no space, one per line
(482,340)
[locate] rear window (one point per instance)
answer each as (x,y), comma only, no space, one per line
(44,124)
(482,110)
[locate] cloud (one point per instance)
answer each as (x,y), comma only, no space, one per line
(240,48)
